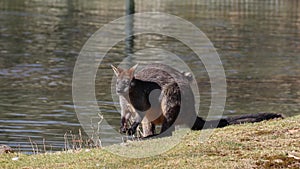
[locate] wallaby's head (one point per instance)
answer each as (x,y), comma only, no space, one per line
(124,79)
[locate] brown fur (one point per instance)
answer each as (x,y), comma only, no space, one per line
(161,95)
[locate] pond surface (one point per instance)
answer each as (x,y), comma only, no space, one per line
(258,43)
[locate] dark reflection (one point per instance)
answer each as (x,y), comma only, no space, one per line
(129,7)
(129,41)
(258,42)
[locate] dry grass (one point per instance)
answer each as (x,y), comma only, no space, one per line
(269,144)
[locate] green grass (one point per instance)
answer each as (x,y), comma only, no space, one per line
(268,144)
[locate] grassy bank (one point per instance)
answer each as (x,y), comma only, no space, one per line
(269,144)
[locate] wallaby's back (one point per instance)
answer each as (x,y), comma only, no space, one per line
(162,75)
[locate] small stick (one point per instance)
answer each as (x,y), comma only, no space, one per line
(31,145)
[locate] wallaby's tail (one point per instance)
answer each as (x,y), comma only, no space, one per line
(202,124)
(199,123)
(252,118)
(248,118)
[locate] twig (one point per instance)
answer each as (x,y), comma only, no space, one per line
(73,140)
(36,146)
(66,141)
(19,149)
(44,145)
(31,145)
(80,139)
(51,148)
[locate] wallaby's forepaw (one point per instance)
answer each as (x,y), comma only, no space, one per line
(123,130)
(131,131)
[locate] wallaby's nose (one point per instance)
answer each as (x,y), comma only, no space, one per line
(120,90)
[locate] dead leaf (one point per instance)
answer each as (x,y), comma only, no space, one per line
(293,131)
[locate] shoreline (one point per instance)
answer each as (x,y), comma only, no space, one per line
(266,144)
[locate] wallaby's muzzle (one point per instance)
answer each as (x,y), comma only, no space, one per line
(121,91)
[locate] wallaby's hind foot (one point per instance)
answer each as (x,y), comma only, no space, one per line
(148,129)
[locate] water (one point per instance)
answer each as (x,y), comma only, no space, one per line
(258,42)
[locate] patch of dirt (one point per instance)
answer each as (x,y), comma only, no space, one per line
(280,161)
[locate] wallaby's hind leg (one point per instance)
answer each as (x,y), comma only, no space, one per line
(167,128)
(170,114)
(170,104)
(148,129)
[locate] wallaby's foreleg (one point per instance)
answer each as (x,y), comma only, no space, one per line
(136,123)
(127,111)
(132,129)
(123,128)
(125,115)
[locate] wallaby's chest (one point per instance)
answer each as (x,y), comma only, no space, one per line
(145,89)
(144,95)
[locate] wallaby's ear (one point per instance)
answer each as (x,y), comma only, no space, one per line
(116,70)
(132,69)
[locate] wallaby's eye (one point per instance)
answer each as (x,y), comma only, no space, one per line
(132,83)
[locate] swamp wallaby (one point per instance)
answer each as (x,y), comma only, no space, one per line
(161,95)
